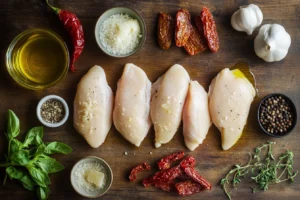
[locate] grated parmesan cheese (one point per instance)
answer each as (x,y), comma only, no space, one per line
(120,34)
(81,176)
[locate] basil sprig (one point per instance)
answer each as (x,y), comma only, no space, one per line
(29,162)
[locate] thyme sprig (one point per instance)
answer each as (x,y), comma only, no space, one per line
(265,170)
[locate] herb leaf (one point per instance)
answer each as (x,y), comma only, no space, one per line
(20,158)
(265,170)
(13,125)
(15,145)
(58,147)
(49,165)
(42,193)
(23,177)
(39,176)
(34,136)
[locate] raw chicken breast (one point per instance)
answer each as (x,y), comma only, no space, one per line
(230,97)
(196,117)
(167,100)
(132,105)
(93,107)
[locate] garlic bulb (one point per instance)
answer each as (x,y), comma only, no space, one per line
(272,42)
(247,18)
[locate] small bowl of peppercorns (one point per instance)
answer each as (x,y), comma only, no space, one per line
(52,111)
(277,115)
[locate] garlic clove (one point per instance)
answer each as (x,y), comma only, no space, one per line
(272,42)
(247,18)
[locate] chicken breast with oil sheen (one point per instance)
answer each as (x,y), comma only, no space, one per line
(196,117)
(131,114)
(230,97)
(167,101)
(93,106)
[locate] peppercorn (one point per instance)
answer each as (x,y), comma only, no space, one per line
(52,111)
(276,115)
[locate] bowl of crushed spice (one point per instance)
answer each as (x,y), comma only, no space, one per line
(52,111)
(91,177)
(277,115)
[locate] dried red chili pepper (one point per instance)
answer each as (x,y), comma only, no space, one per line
(188,187)
(195,43)
(165,162)
(165,30)
(191,172)
(210,30)
(183,25)
(137,169)
(189,161)
(74,28)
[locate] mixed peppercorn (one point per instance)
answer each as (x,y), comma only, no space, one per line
(52,111)
(276,115)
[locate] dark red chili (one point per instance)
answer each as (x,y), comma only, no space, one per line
(138,169)
(74,28)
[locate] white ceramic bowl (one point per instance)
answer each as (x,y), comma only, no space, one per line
(38,111)
(97,193)
(121,10)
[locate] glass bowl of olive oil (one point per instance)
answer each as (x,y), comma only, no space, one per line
(37,59)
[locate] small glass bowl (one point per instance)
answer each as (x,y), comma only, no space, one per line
(16,51)
(293,111)
(39,106)
(120,10)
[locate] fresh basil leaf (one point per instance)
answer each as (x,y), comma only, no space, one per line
(39,176)
(20,158)
(34,136)
(28,183)
(13,125)
(13,173)
(40,150)
(58,147)
(42,193)
(15,145)
(49,165)
(22,176)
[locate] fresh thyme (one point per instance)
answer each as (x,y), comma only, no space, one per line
(265,171)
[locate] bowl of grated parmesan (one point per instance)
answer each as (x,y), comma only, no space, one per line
(91,177)
(120,32)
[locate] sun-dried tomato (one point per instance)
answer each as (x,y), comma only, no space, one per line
(191,172)
(189,161)
(210,29)
(165,30)
(195,43)
(182,30)
(137,169)
(188,187)
(165,176)
(165,186)
(165,163)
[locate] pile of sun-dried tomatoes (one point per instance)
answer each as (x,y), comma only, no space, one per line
(183,177)
(194,37)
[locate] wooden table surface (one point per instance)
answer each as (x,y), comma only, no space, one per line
(19,15)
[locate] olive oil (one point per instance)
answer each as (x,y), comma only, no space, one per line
(242,70)
(38,59)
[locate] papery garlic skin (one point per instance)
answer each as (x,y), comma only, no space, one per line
(247,18)
(272,42)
